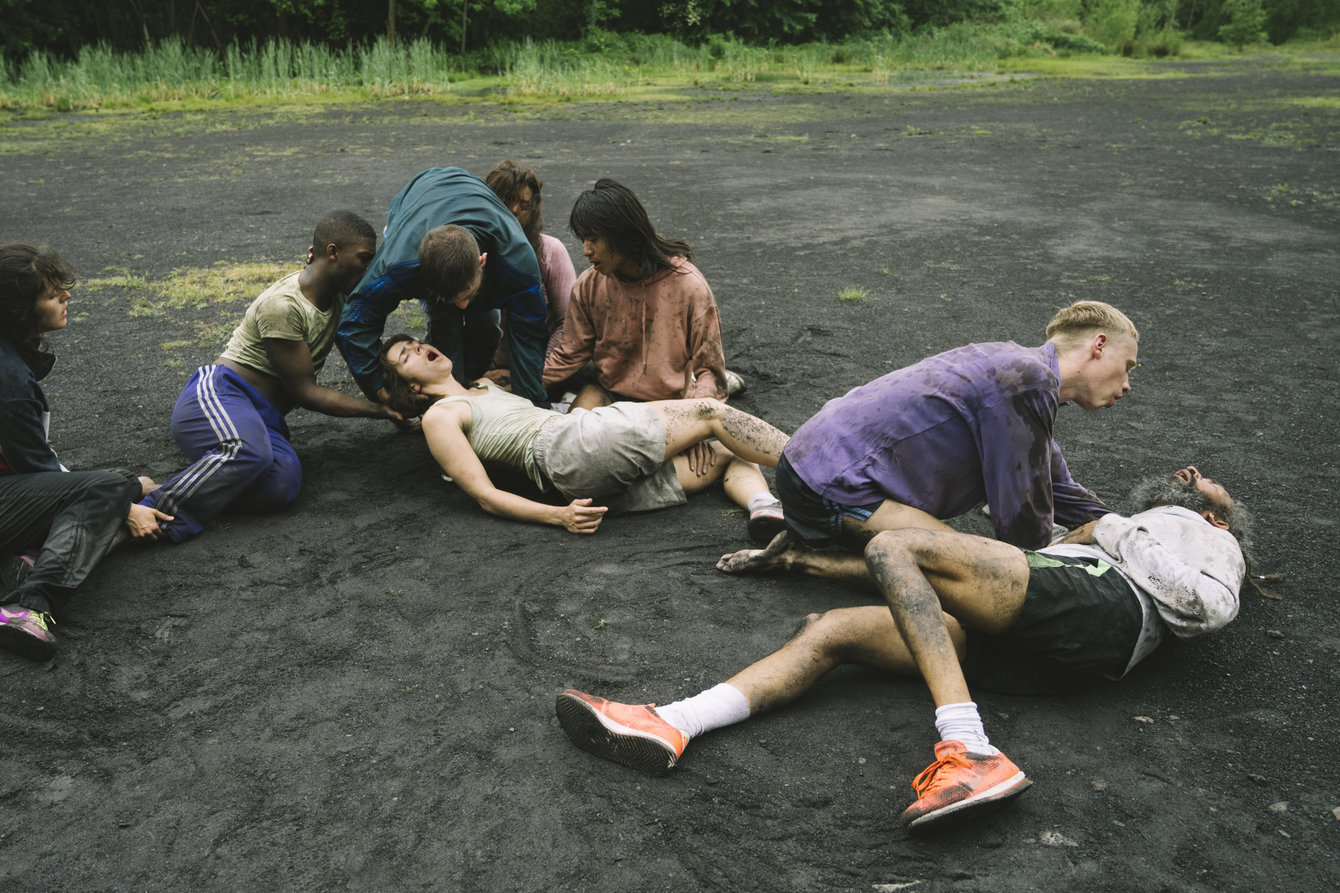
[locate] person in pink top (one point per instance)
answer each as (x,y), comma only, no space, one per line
(642,314)
(518,188)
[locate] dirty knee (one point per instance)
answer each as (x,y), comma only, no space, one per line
(707,408)
(881,545)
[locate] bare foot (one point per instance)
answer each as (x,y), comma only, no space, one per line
(775,558)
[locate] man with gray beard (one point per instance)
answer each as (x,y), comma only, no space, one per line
(963,609)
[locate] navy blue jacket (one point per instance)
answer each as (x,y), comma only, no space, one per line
(24,411)
(434,198)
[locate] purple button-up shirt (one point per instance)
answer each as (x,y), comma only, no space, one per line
(967,425)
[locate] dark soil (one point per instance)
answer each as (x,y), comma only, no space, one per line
(359,694)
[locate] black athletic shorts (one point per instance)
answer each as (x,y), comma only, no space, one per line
(810,518)
(1080,621)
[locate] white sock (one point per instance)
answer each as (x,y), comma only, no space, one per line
(721,705)
(762,500)
(961,722)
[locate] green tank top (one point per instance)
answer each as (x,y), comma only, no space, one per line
(503,426)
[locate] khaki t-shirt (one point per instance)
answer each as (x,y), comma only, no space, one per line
(282,312)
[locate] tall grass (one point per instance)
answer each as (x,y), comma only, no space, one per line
(102,78)
(275,70)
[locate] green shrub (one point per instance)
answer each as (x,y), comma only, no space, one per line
(1246,22)
(1113,22)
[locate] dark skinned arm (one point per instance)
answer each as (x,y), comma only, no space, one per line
(293,364)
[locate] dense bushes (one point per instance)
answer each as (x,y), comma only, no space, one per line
(62,27)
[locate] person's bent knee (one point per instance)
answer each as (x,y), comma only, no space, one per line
(886,544)
(805,623)
(829,635)
(113,486)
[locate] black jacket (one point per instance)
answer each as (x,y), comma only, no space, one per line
(24,411)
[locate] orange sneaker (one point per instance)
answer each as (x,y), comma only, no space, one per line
(631,734)
(959,784)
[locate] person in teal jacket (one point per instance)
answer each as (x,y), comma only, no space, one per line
(454,247)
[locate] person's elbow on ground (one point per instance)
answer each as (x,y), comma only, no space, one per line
(1209,607)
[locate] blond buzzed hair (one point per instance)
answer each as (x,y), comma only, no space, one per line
(1075,323)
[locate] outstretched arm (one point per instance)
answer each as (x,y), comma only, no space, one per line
(359,335)
(515,289)
(293,364)
(576,345)
(1014,441)
(527,341)
(1074,503)
(706,361)
(444,428)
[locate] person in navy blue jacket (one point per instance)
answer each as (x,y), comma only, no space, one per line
(453,246)
(55,524)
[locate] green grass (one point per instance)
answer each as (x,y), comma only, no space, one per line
(224,283)
(170,76)
(230,286)
(226,289)
(853,293)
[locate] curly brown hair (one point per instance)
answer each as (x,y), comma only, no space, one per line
(507,180)
(26,273)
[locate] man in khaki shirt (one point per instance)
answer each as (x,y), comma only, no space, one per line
(229,420)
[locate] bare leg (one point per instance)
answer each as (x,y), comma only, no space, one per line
(741,480)
(865,636)
(891,516)
(690,421)
(591,396)
(925,575)
(787,555)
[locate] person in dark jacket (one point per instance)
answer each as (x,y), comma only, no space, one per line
(452,245)
(55,524)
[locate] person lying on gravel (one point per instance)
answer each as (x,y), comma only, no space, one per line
(628,456)
(933,440)
(453,246)
(55,524)
(964,609)
(229,419)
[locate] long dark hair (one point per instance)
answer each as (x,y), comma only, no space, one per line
(611,211)
(507,180)
(26,273)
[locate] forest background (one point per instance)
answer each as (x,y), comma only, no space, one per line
(69,55)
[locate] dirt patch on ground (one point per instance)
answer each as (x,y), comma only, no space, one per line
(359,694)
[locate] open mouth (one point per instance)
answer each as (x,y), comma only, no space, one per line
(431,355)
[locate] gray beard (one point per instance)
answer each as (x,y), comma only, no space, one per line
(1168,490)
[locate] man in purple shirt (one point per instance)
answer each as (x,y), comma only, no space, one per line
(935,439)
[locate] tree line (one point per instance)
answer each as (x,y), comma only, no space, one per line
(62,27)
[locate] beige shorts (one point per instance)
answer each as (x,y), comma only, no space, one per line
(614,454)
